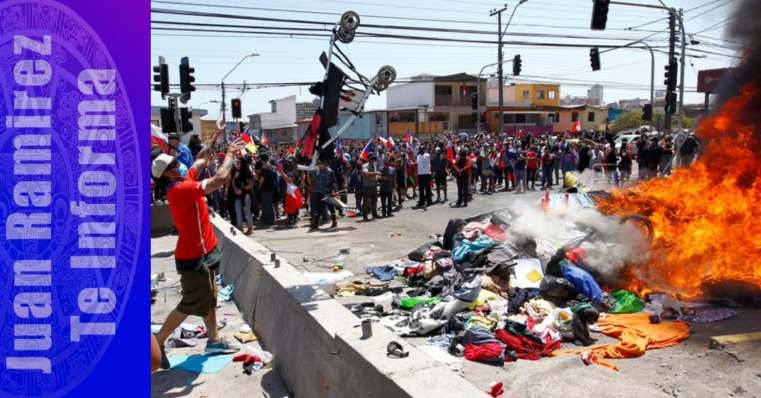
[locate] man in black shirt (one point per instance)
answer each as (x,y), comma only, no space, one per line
(267,188)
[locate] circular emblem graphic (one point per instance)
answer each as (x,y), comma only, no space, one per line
(71,199)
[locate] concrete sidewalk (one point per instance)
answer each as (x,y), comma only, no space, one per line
(228,382)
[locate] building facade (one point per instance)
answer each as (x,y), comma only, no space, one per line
(434,105)
(278,125)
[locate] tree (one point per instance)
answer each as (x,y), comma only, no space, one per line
(627,120)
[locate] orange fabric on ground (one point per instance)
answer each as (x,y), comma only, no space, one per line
(637,335)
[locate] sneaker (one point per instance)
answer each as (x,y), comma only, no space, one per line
(249,231)
(221,347)
(164,359)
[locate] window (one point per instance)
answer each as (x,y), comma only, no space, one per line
(525,95)
(539,94)
(574,116)
(557,118)
(274,106)
(442,90)
(591,117)
(551,94)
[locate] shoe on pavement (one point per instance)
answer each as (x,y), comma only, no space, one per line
(249,231)
(221,347)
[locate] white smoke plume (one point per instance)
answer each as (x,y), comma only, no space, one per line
(614,245)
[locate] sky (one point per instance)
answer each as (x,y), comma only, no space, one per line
(625,73)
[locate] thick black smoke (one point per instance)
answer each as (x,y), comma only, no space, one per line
(744,28)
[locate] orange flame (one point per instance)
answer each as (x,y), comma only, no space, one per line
(707,218)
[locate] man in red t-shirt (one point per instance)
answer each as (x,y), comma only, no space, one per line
(532,165)
(196,256)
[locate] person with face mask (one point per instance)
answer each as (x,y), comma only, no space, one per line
(180,151)
(197,255)
(243,185)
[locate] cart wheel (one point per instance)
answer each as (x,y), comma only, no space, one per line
(350,20)
(386,75)
(642,223)
(380,87)
(345,36)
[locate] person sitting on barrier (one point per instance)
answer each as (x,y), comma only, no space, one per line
(197,255)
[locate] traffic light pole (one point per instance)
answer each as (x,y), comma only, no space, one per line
(478,92)
(678,18)
(224,103)
(672,44)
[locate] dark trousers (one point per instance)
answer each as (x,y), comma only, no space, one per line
(358,199)
(424,190)
(370,201)
(531,178)
(509,177)
(463,183)
(230,204)
(321,205)
(546,176)
(385,197)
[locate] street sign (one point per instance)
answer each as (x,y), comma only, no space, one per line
(708,80)
(234,135)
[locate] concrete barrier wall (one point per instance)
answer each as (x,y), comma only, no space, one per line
(314,339)
(161,219)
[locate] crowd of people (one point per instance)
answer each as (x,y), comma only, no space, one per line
(412,169)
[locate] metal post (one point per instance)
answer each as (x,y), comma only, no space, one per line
(681,72)
(224,115)
(499,76)
(478,89)
(672,40)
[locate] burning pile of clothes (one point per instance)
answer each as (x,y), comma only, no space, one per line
(522,283)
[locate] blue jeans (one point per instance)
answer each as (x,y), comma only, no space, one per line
(520,177)
(268,209)
(546,176)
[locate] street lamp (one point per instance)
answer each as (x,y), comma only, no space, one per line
(478,92)
(224,106)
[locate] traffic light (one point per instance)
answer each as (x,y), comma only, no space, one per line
(671,75)
(185,116)
(594,58)
(167,120)
(647,112)
(235,105)
(600,14)
(474,101)
(474,117)
(517,65)
(670,107)
(186,79)
(483,117)
(161,77)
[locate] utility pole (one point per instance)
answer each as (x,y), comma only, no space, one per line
(498,13)
(672,44)
(224,114)
(681,75)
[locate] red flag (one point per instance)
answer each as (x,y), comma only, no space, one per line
(450,152)
(576,127)
(368,149)
(408,137)
(464,89)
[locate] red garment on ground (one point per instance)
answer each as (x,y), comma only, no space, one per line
(484,351)
(496,233)
(411,271)
(525,347)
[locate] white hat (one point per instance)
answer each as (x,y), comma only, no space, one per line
(159,165)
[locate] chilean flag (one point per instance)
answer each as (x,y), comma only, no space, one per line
(450,152)
(390,143)
(249,140)
(408,137)
(383,141)
(576,126)
(265,141)
(367,151)
(158,138)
